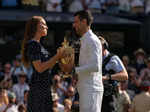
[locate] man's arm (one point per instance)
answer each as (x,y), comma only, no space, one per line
(116,65)
(94,50)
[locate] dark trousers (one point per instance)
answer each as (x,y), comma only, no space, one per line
(107,104)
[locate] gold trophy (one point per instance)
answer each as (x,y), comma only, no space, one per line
(68,60)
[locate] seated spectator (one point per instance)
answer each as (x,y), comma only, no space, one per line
(137,6)
(66,4)
(133,83)
(3,100)
(20,87)
(56,103)
(124,6)
(140,60)
(73,96)
(126,62)
(123,100)
(67,105)
(59,87)
(111,6)
(7,70)
(11,107)
(17,68)
(76,5)
(22,108)
(7,84)
(26,92)
(147,6)
(145,72)
(54,6)
(70,93)
(94,6)
(141,102)
(1,70)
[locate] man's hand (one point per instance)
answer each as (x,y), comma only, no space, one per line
(106,77)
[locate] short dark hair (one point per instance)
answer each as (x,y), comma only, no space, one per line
(104,42)
(85,14)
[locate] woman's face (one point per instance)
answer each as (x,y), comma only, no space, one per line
(42,27)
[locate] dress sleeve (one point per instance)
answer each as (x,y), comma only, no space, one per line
(34,51)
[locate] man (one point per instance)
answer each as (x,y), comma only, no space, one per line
(141,102)
(113,71)
(89,71)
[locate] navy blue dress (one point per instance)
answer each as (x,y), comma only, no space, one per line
(39,99)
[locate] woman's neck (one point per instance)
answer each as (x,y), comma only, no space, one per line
(37,37)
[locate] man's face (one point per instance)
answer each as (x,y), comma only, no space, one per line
(77,25)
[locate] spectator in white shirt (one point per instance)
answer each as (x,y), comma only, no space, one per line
(54,6)
(20,87)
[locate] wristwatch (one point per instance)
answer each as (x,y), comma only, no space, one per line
(109,77)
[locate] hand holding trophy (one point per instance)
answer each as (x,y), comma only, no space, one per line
(67,63)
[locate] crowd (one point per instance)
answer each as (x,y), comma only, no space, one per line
(97,6)
(133,94)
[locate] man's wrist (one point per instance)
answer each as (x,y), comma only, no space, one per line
(109,77)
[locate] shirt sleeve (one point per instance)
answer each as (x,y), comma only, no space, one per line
(115,64)
(34,51)
(94,61)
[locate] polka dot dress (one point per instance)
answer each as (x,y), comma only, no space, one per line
(39,99)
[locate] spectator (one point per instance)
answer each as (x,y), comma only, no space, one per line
(67,105)
(66,4)
(11,107)
(124,6)
(147,6)
(16,69)
(3,99)
(123,100)
(20,87)
(141,102)
(1,69)
(54,6)
(7,71)
(137,6)
(145,72)
(139,62)
(26,92)
(59,87)
(56,103)
(70,93)
(7,84)
(133,84)
(94,6)
(126,62)
(22,108)
(76,5)
(112,6)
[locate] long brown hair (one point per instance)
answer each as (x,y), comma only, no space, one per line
(30,31)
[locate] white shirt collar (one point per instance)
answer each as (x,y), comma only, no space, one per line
(86,34)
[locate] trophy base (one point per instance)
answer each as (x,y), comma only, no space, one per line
(64,76)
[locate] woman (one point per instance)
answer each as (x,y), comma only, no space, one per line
(34,54)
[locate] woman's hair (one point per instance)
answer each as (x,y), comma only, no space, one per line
(30,31)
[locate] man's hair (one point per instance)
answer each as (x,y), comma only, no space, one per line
(85,14)
(104,42)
